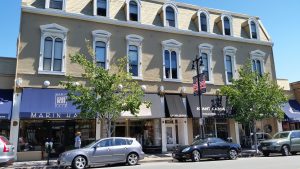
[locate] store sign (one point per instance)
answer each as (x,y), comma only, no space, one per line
(53,115)
(211,109)
(61,100)
(178,115)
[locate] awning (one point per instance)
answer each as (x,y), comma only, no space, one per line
(174,106)
(6,102)
(292,110)
(154,111)
(46,104)
(209,107)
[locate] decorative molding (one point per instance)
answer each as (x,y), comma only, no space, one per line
(137,25)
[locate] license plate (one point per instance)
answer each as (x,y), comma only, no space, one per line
(264,148)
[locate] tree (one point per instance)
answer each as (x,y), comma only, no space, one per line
(254,97)
(105,94)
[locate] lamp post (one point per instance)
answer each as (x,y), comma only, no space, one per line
(198,63)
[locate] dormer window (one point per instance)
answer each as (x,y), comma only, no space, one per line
(170,15)
(227,25)
(133,10)
(252,28)
(203,20)
(101,7)
(55,4)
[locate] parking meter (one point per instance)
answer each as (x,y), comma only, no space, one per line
(48,148)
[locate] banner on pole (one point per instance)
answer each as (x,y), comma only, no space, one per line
(202,83)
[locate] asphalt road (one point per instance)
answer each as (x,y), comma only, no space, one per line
(277,162)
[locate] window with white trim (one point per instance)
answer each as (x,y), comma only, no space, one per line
(230,64)
(134,54)
(101,40)
(52,49)
(170,13)
(227,25)
(203,21)
(101,7)
(257,58)
(133,10)
(205,52)
(253,28)
(171,60)
(55,4)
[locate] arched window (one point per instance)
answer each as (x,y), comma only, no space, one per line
(253,30)
(52,51)
(227,29)
(257,57)
(133,59)
(56,4)
(100,52)
(170,16)
(133,11)
(203,22)
(101,7)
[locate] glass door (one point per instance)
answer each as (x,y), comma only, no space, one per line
(170,134)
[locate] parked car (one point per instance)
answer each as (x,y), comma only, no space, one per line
(6,151)
(105,151)
(282,142)
(261,136)
(207,148)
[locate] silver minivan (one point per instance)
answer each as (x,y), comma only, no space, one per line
(6,151)
(105,151)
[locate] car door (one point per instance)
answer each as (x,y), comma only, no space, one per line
(119,150)
(295,141)
(102,152)
(210,148)
(223,147)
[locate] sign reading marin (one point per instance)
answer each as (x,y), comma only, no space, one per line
(47,103)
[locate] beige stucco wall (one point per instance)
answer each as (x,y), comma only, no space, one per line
(151,12)
(152,59)
(7,72)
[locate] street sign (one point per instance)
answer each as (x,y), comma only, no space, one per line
(202,84)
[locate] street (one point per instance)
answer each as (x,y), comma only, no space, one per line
(276,162)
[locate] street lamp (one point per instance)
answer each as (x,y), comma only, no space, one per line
(198,63)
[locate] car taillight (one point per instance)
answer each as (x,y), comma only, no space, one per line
(5,149)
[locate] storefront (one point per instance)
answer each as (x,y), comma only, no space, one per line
(145,126)
(6,97)
(46,114)
(216,122)
(292,116)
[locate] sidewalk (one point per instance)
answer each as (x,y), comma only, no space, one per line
(148,158)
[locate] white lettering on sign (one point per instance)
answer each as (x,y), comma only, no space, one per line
(52,115)
(61,100)
(211,109)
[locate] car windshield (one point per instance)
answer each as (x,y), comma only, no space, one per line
(91,144)
(281,135)
(199,141)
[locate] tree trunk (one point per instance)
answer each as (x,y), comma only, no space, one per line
(108,127)
(255,137)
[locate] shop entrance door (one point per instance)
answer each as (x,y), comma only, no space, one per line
(171,135)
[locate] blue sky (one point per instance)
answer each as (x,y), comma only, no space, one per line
(281,19)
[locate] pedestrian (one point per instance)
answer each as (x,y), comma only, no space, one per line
(78,140)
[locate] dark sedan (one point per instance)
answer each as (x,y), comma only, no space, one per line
(207,148)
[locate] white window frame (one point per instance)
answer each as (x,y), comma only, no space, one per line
(102,36)
(139,4)
(172,5)
(258,55)
(135,40)
(172,45)
(230,51)
(54,31)
(207,19)
(257,28)
(207,48)
(230,23)
(47,5)
(95,8)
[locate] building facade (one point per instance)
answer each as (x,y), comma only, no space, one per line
(160,39)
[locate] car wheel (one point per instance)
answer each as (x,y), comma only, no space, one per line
(79,162)
(232,154)
(266,154)
(196,156)
(132,159)
(294,153)
(285,150)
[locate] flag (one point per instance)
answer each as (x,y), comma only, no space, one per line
(202,83)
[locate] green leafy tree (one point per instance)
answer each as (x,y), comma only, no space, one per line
(105,94)
(254,97)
